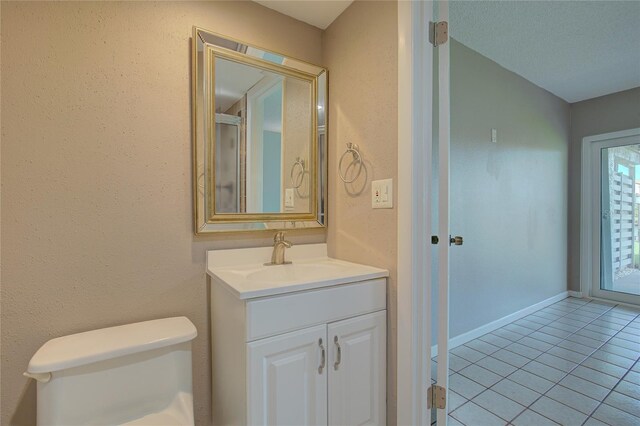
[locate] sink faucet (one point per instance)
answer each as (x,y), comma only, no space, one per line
(279,244)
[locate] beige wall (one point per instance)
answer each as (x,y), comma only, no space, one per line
(360,50)
(605,114)
(96,172)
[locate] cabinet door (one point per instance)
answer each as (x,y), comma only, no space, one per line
(287,380)
(357,370)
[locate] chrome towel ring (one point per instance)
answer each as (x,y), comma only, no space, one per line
(356,158)
(299,162)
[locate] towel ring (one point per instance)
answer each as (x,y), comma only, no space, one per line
(299,162)
(356,157)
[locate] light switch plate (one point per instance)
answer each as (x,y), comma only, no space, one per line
(382,194)
(288,198)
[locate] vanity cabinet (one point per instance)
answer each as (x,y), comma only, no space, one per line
(357,370)
(314,357)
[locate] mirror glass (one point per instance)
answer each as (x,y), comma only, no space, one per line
(263,139)
(259,138)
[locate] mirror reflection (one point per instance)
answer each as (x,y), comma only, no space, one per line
(263,138)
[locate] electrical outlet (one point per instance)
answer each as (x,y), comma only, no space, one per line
(382,194)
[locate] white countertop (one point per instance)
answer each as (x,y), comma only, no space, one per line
(244,273)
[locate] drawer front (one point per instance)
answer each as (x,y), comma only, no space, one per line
(280,314)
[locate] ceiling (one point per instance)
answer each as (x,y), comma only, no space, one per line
(577,50)
(233,81)
(317,13)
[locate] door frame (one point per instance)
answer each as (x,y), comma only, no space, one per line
(415,76)
(587,206)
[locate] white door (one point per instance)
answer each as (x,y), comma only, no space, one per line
(287,379)
(357,370)
(615,204)
(444,232)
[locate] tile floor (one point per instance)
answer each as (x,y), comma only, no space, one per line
(572,363)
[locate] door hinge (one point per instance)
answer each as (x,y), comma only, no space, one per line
(436,397)
(438,33)
(435,239)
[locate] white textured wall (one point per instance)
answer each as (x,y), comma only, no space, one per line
(96,172)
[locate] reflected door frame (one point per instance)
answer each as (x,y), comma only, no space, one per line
(590,214)
(255,142)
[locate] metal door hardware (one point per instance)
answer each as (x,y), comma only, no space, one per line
(456,241)
(438,33)
(436,397)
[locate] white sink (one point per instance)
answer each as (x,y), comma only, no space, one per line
(244,272)
(294,272)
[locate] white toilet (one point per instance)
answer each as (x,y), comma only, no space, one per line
(135,374)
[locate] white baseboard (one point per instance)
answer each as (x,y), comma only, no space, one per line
(494,325)
(577,294)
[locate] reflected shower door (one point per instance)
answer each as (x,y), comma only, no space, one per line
(228,165)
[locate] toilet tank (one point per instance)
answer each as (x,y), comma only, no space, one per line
(134,374)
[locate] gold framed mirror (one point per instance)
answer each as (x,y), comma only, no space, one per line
(259,138)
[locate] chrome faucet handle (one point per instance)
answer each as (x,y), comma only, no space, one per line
(279,239)
(279,246)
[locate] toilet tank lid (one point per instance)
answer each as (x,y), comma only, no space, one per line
(98,345)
